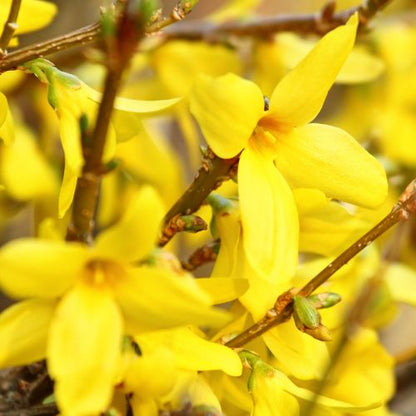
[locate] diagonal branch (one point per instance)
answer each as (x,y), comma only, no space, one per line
(405,207)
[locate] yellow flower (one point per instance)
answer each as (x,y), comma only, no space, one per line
(84,299)
(280,150)
(73,100)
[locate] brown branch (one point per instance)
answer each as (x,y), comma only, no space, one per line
(37,410)
(121,47)
(203,255)
(79,37)
(319,23)
(211,175)
(282,310)
(10,26)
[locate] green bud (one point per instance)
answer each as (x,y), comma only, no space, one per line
(324,300)
(321,333)
(305,312)
(219,203)
(191,223)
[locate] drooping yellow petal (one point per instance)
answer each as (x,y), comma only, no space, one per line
(153,298)
(135,234)
(24,170)
(297,353)
(192,352)
(227,109)
(33,15)
(299,97)
(134,106)
(223,289)
(328,158)
(326,227)
(40,268)
(83,350)
(269,216)
(23,332)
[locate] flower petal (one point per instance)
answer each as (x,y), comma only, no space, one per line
(23,332)
(134,106)
(328,158)
(269,216)
(153,299)
(299,97)
(227,109)
(84,350)
(297,353)
(40,268)
(34,14)
(135,234)
(223,289)
(191,352)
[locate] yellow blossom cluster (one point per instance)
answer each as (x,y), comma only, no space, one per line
(122,325)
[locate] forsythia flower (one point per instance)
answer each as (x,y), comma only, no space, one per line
(279,149)
(84,299)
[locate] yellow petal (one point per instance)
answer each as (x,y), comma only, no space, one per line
(326,227)
(7,128)
(153,373)
(328,158)
(229,228)
(134,106)
(401,280)
(40,268)
(177,72)
(227,109)
(360,66)
(25,172)
(191,352)
(299,97)
(23,331)
(269,216)
(135,234)
(298,354)
(152,299)
(67,191)
(33,15)
(223,289)
(83,350)
(4,108)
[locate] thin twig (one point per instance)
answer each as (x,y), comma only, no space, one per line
(10,26)
(320,23)
(211,175)
(282,310)
(37,410)
(79,37)
(203,255)
(129,30)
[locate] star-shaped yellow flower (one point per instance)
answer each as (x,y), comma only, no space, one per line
(280,150)
(84,299)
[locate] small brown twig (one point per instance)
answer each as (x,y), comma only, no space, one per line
(211,175)
(10,26)
(203,255)
(320,23)
(281,312)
